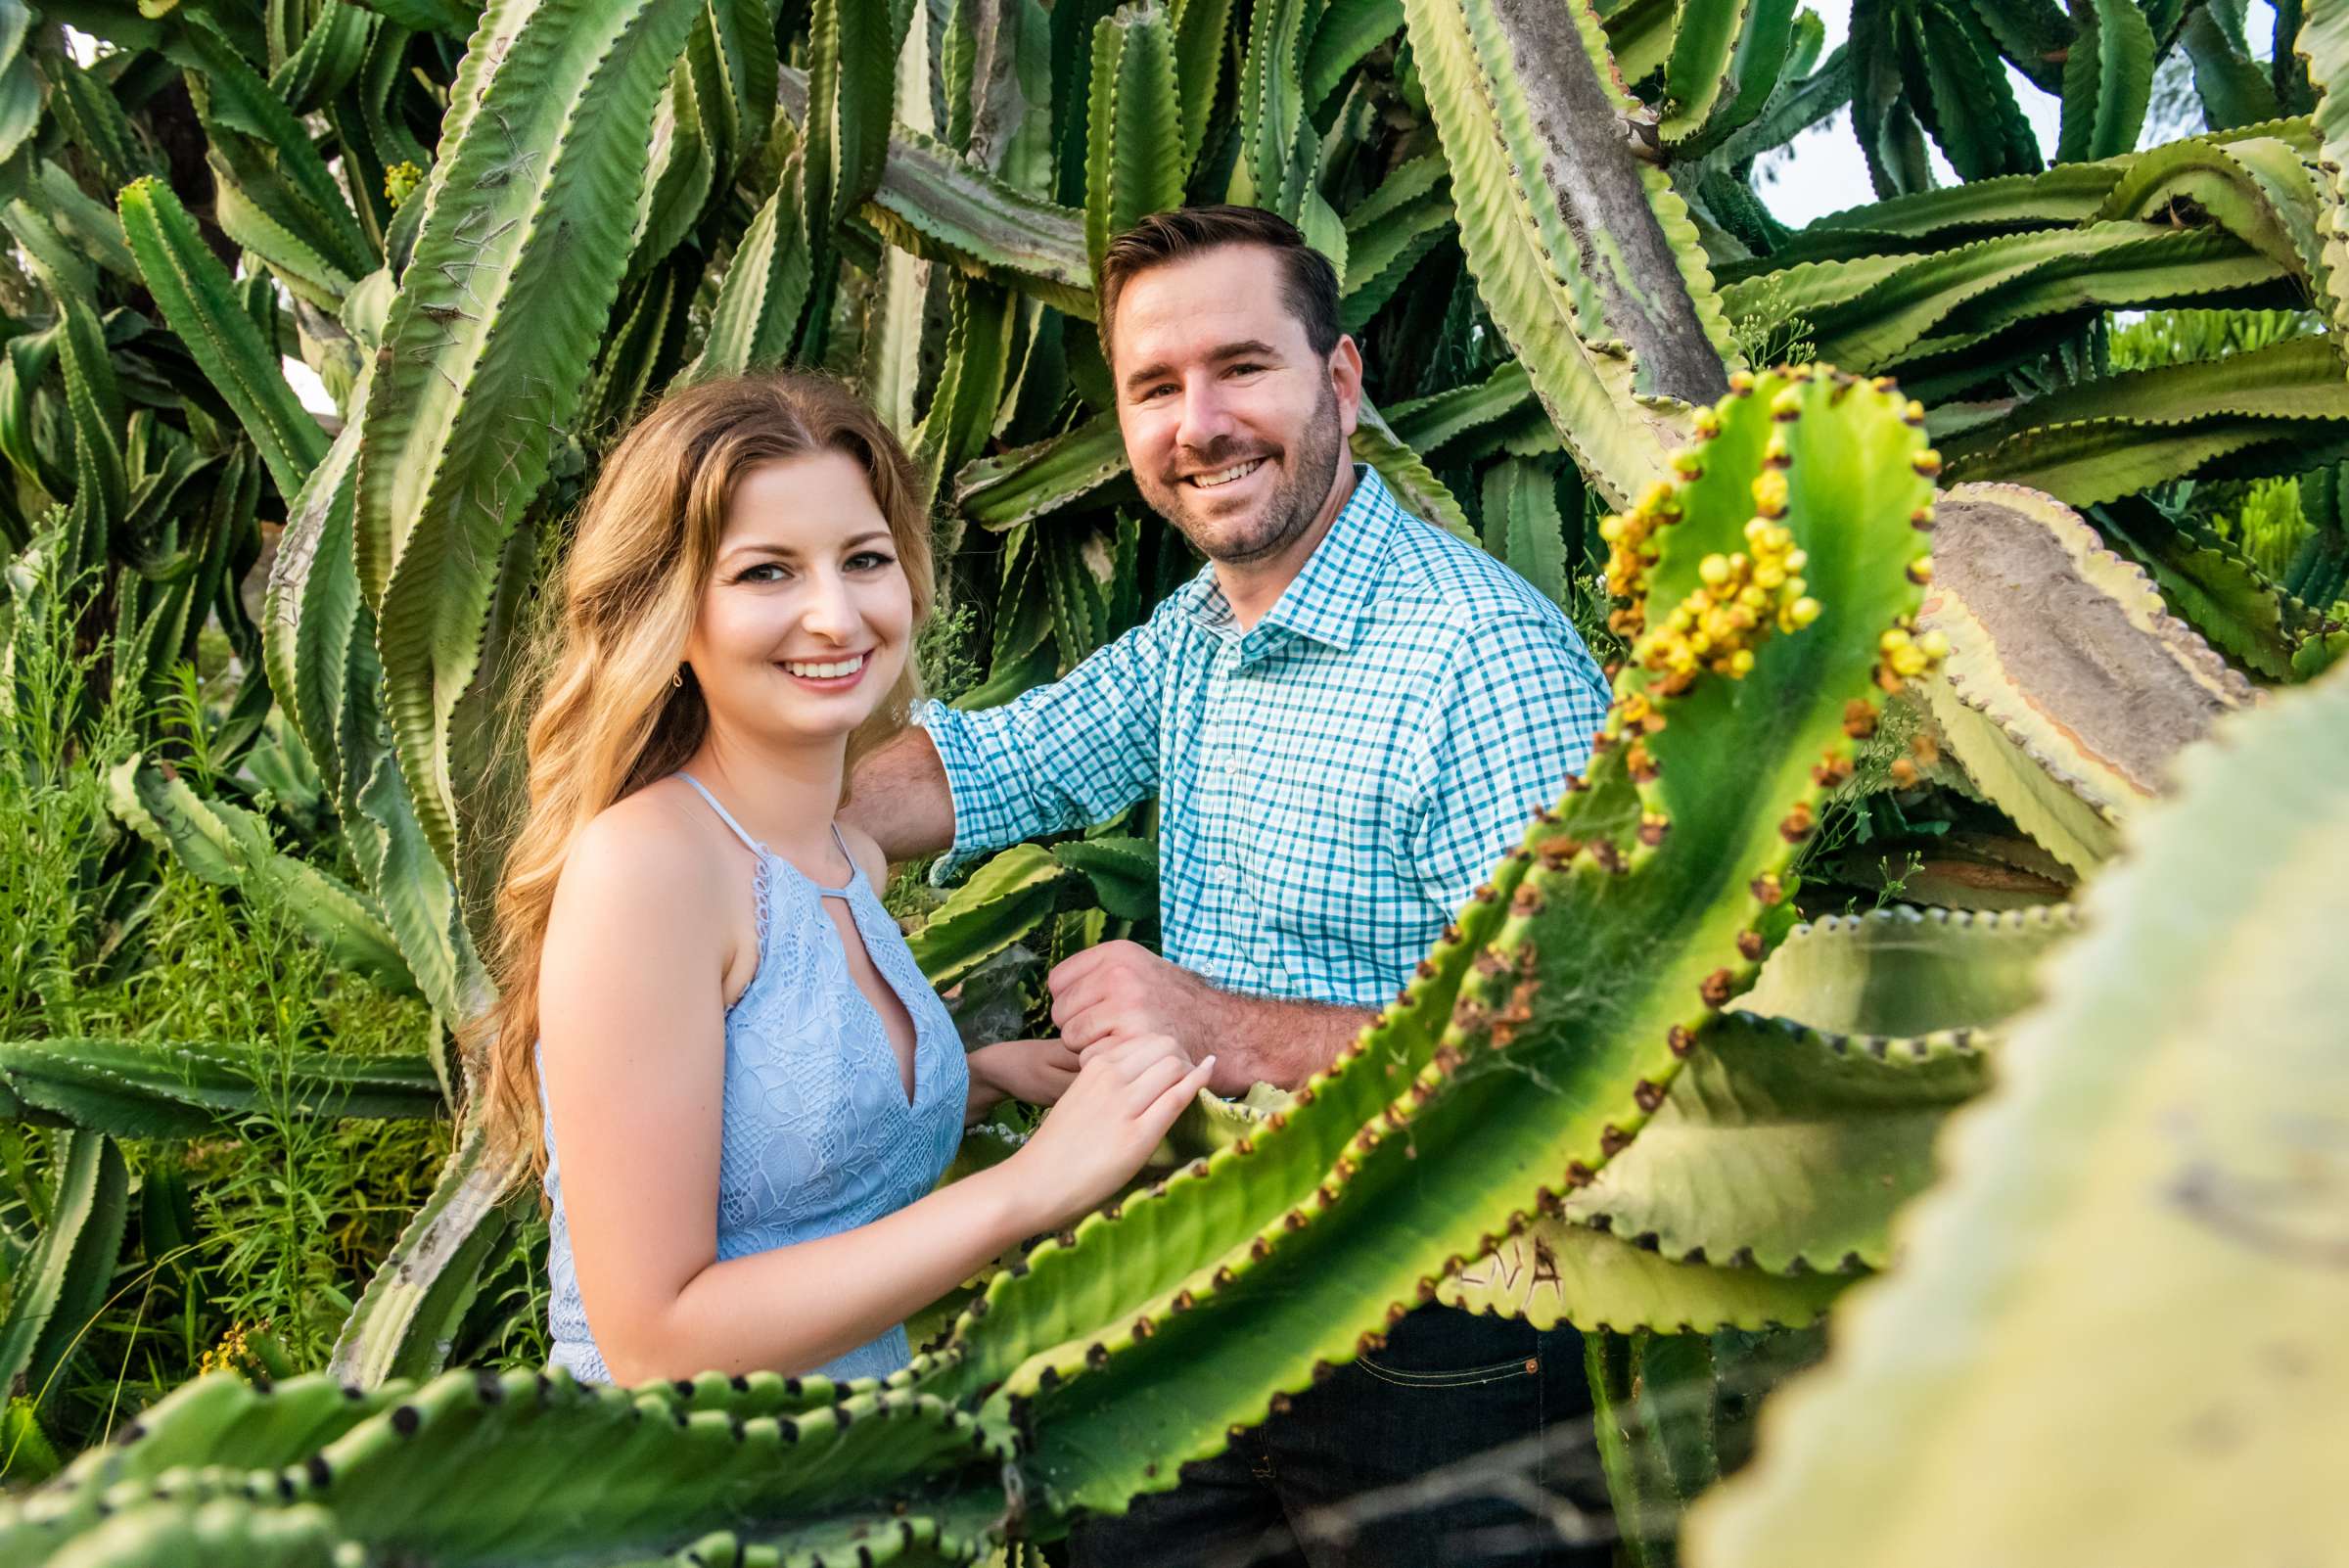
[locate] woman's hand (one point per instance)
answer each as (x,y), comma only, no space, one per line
(1036,1072)
(1110,1118)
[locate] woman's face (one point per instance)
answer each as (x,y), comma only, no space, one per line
(805,620)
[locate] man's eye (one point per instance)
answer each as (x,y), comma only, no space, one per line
(1156,393)
(1246,369)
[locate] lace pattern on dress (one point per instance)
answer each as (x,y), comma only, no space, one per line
(817,1133)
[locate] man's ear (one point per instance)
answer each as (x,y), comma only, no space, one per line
(1346,381)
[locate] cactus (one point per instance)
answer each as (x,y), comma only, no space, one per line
(2151,1126)
(1417,1145)
(2066,719)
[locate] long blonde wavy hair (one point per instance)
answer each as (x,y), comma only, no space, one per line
(608,719)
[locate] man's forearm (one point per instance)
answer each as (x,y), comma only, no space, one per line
(1272,1039)
(899,794)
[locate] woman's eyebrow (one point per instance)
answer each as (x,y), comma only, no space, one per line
(786,553)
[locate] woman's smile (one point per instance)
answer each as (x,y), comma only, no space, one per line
(838,672)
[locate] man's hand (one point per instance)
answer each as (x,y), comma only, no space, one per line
(1035,1072)
(1121,990)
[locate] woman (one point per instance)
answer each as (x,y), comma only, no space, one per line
(703,1009)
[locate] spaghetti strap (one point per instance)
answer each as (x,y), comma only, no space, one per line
(724,815)
(845,855)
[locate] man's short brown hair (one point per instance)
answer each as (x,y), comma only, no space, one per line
(1309,283)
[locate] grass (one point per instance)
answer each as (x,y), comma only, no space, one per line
(246,1247)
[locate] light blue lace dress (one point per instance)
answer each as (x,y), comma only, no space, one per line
(819,1136)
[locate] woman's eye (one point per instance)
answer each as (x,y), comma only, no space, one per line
(764,571)
(870,561)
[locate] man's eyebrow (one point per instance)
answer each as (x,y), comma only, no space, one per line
(1244,349)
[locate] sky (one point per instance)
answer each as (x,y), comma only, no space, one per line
(1825,172)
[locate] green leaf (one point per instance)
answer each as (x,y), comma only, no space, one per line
(60,1287)
(230,847)
(1124,873)
(405,1321)
(2107,81)
(1003,901)
(2150,1125)
(1557,1273)
(1133,164)
(1522,525)
(948,209)
(1013,488)
(19,85)
(1704,40)
(198,298)
(525,236)
(175,1089)
(756,316)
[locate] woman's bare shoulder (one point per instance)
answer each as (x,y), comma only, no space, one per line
(644,852)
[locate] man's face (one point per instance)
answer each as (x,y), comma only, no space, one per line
(1232,424)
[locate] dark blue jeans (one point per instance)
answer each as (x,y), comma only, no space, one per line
(1467,1440)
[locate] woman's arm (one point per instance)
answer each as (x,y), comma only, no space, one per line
(632,1009)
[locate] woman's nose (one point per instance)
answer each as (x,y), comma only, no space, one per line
(830,610)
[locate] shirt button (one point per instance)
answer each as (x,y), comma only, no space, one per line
(1221,875)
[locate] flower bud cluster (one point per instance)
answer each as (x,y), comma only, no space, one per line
(1739,600)
(1631,552)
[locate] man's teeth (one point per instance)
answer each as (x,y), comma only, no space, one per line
(1208,482)
(826,672)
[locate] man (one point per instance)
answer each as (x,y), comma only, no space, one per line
(1348,717)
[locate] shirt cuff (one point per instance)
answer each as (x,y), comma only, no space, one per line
(958,754)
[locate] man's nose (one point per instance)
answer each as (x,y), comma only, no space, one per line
(1205,417)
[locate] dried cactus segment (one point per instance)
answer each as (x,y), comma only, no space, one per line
(1558,1271)
(2069,685)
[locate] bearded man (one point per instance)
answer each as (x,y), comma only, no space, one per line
(1346,716)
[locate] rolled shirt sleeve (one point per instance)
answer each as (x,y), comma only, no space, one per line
(1058,756)
(1516,715)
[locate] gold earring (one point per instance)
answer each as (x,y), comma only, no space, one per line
(678,679)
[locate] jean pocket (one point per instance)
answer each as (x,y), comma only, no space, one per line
(1449,1377)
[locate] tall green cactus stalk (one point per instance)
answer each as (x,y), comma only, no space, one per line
(1772,588)
(2155,1182)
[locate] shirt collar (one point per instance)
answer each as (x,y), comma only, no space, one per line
(1330,591)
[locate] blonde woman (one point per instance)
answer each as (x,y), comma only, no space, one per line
(705,1010)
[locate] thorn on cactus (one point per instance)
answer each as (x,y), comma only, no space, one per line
(1647,1095)
(1921,520)
(1749,945)
(1717,988)
(1859,718)
(1578,1175)
(1527,902)
(1652,827)
(1768,888)
(1798,823)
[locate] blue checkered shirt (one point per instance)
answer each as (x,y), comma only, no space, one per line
(1333,782)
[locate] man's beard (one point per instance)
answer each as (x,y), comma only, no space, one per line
(1286,513)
